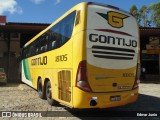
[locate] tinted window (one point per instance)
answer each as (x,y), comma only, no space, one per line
(58,35)
(62,31)
(43,43)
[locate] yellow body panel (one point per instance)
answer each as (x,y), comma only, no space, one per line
(50,71)
(103,99)
(102,81)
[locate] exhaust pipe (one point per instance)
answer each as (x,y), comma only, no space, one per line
(93,103)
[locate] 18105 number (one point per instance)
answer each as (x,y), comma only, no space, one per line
(61,58)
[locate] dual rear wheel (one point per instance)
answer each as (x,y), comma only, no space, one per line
(45,92)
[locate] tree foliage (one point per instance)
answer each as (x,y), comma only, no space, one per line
(147,16)
(143,14)
(155,14)
(134,11)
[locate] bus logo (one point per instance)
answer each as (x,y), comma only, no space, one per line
(114,19)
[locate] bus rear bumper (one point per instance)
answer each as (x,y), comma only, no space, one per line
(83,99)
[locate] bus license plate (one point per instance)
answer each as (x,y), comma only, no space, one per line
(115,98)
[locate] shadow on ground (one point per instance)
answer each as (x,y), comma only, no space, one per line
(145,104)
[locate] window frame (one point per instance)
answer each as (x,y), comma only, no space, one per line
(30,50)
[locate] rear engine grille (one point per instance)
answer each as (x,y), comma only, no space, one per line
(113,53)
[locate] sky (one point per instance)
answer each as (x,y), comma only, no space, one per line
(47,11)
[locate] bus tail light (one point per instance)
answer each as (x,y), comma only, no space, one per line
(81,78)
(138,73)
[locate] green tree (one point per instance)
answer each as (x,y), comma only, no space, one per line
(134,11)
(155,14)
(143,14)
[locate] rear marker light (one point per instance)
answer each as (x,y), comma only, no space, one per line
(137,80)
(81,79)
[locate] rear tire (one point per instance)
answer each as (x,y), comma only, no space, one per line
(49,94)
(40,89)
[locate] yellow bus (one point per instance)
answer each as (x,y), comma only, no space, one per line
(88,58)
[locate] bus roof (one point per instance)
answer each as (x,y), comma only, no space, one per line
(68,12)
(109,6)
(56,21)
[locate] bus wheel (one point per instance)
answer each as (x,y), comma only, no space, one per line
(49,94)
(40,89)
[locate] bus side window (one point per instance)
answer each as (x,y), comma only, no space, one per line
(31,48)
(53,44)
(61,32)
(45,47)
(66,26)
(46,43)
(27,52)
(42,44)
(36,48)
(53,39)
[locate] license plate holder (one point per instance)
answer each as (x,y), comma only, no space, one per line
(115,98)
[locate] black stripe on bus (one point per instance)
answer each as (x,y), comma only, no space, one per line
(114,57)
(112,53)
(113,48)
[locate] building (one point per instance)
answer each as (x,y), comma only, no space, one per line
(12,38)
(14,35)
(150,52)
